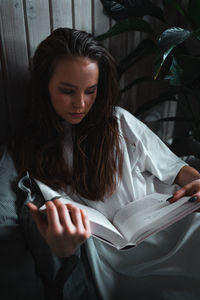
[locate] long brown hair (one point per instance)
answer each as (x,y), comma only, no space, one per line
(97,156)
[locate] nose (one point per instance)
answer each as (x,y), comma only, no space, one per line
(79,101)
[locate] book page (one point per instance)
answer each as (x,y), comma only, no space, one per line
(143,217)
(168,219)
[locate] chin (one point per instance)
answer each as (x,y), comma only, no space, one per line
(74,122)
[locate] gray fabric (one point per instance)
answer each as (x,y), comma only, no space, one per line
(28,268)
(10,204)
(17,268)
(18,279)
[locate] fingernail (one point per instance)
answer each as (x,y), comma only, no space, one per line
(169,198)
(193,199)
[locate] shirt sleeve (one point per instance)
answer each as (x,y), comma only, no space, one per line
(152,154)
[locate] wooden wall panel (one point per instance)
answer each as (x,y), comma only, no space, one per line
(14,58)
(62,13)
(129,98)
(118,48)
(83,15)
(101,22)
(5,130)
(38,22)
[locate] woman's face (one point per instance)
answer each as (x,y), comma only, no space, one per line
(73,88)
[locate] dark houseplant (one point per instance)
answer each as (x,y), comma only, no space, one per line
(175,52)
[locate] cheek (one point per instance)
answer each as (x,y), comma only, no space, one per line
(92,100)
(59,101)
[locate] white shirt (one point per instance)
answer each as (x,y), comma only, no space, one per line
(148,167)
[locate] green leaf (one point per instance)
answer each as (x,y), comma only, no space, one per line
(131,24)
(122,9)
(184,70)
(194,13)
(145,48)
(169,39)
(116,10)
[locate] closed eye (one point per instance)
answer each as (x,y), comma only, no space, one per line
(93,91)
(71,91)
(66,91)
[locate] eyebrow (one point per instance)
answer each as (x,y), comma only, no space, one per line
(75,86)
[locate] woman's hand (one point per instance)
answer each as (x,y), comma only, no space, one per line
(65,228)
(191,189)
(189,179)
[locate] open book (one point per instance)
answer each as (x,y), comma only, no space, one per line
(133,222)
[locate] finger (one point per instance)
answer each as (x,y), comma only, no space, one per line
(185,191)
(76,217)
(86,222)
(189,189)
(64,215)
(53,217)
(177,195)
(38,217)
(195,197)
(192,188)
(180,193)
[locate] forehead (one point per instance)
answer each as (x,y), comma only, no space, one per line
(76,69)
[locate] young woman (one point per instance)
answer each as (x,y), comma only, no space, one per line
(76,140)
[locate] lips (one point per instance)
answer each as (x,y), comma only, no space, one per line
(77,115)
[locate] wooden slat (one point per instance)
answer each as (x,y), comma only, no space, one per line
(118,48)
(129,99)
(14,58)
(62,13)
(101,21)
(118,45)
(38,22)
(83,15)
(5,131)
